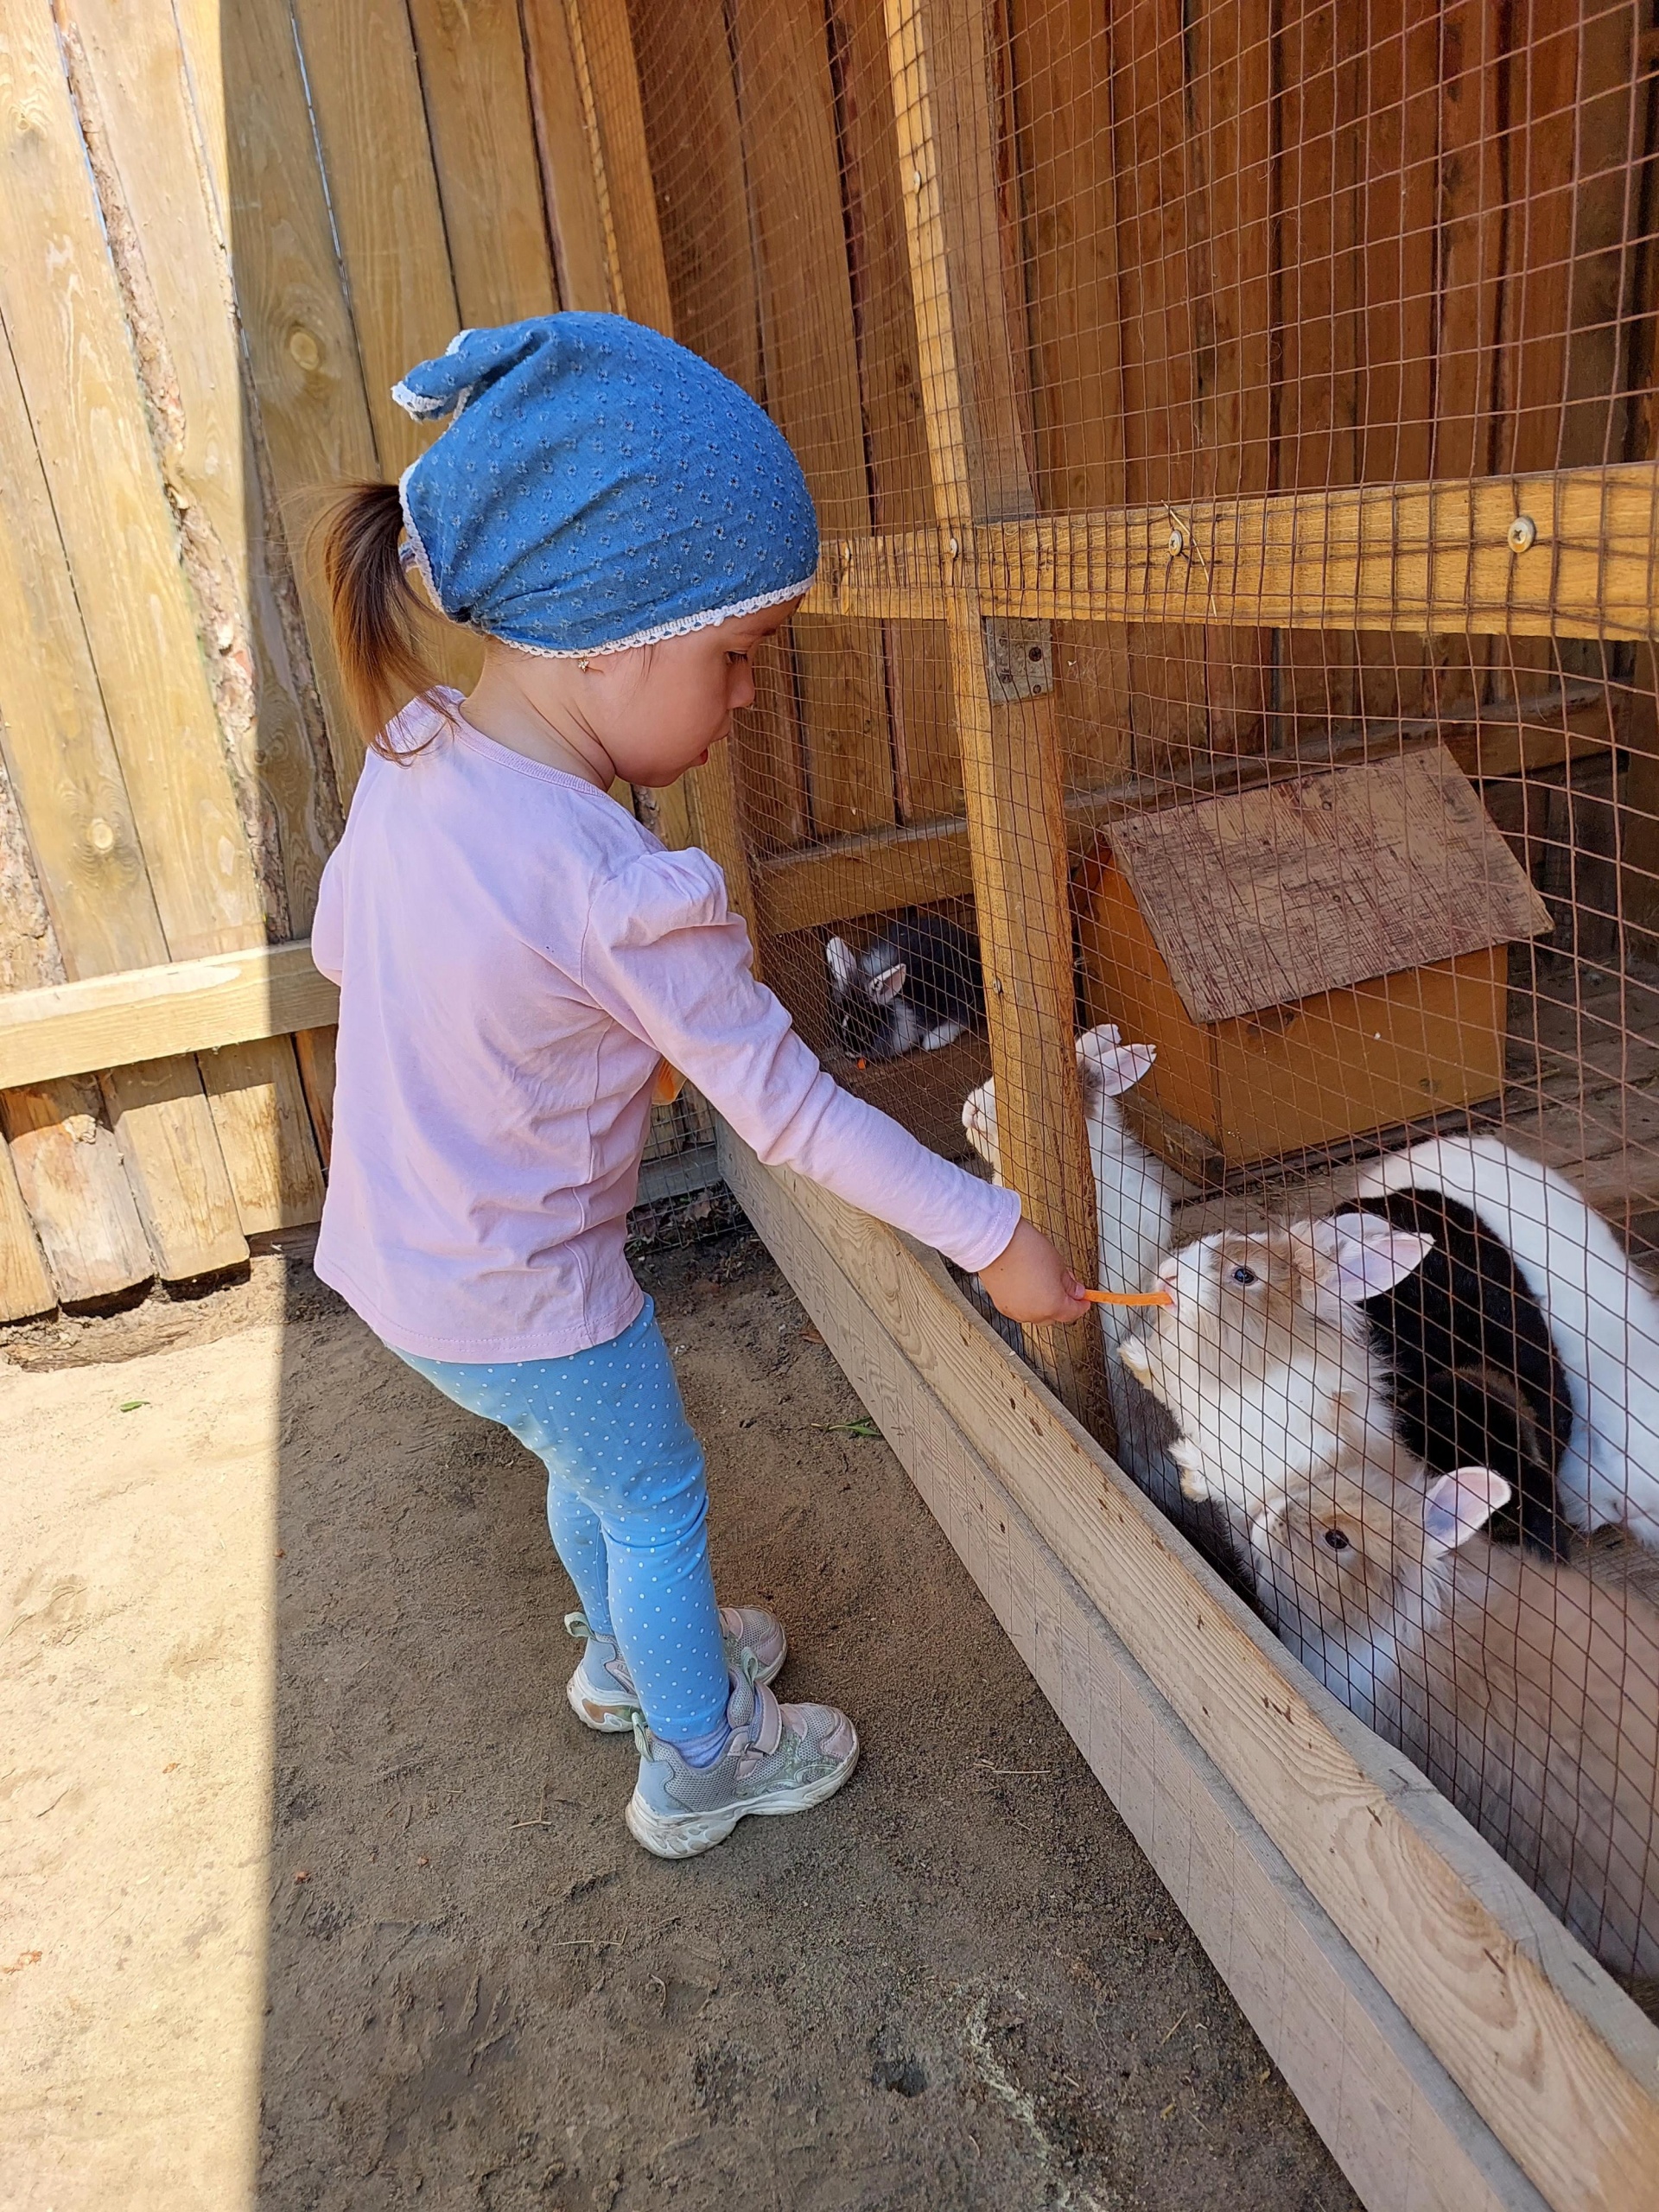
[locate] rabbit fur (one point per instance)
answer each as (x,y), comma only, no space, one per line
(1133,1199)
(1263,1349)
(1603,1317)
(1525,1691)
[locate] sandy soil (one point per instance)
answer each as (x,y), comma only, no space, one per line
(297,1814)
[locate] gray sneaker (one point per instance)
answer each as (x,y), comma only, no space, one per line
(782,1759)
(602,1691)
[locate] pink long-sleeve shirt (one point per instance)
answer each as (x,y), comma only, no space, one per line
(516,956)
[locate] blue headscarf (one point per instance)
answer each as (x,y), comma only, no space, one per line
(598,487)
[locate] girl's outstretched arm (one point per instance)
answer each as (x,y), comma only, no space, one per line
(666,957)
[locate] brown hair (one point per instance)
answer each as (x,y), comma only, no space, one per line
(379,617)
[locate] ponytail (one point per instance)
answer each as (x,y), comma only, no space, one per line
(377,616)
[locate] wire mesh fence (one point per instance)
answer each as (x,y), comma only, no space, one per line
(1213,781)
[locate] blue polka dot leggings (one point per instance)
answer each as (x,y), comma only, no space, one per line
(628,1505)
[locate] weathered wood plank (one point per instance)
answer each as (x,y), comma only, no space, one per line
(258,1106)
(787,107)
(68,1168)
(383,189)
(63,313)
(1409,557)
(111,1021)
(478,103)
(313,416)
(1557,2062)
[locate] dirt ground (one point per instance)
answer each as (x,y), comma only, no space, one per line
(296,1818)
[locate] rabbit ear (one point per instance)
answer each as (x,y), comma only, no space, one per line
(884,987)
(1357,1256)
(1108,1065)
(1456,1505)
(842,966)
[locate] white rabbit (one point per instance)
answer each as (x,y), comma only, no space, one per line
(1526,1692)
(1133,1199)
(1132,1195)
(1603,1317)
(1264,1352)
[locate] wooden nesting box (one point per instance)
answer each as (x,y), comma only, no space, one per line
(1312,959)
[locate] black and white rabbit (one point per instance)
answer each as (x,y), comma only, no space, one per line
(917,988)
(1473,1376)
(1603,1317)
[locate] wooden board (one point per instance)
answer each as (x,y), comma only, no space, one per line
(175,1166)
(191,1006)
(478,105)
(68,1168)
(144,134)
(383,193)
(25,1287)
(786,103)
(313,420)
(1403,2134)
(63,313)
(1407,558)
(259,1108)
(1312,885)
(1558,2063)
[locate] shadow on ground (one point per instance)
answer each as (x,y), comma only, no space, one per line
(958,1985)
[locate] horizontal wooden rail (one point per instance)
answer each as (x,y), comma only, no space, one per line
(146,1014)
(1569,553)
(846,877)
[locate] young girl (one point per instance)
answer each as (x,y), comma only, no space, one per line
(517,956)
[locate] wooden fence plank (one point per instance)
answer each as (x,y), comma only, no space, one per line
(811,366)
(609,69)
(484,142)
(1557,2062)
(26,1289)
(313,416)
(63,312)
(176,1164)
(258,1106)
(1062,67)
(382,190)
(927,761)
(68,1168)
(573,179)
(72,798)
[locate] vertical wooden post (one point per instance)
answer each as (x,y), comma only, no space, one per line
(1010,754)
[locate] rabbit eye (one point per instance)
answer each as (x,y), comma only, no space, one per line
(1335,1540)
(1243,1274)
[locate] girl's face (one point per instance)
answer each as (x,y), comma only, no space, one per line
(656,710)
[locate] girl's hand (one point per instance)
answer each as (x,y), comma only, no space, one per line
(1032,1282)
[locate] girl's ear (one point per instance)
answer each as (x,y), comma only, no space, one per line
(1456,1505)
(842,966)
(886,984)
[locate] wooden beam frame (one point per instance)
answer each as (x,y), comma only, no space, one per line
(1558,2064)
(1433,558)
(973,411)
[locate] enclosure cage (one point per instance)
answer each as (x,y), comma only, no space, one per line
(1225,722)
